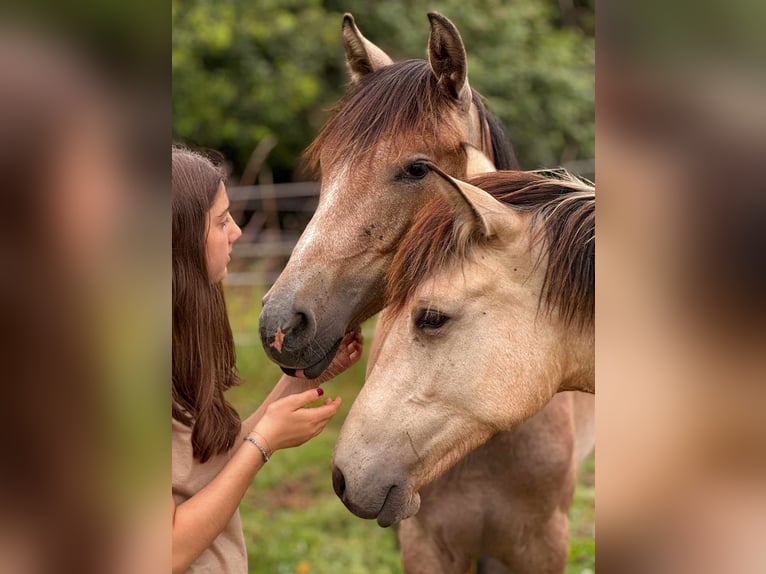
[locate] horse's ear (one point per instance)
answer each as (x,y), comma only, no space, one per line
(446,54)
(478,162)
(476,210)
(362,56)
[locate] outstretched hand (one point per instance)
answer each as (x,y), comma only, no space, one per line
(287,423)
(349,352)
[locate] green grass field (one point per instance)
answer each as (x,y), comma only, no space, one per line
(294,523)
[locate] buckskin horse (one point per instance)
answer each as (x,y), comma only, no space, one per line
(490,315)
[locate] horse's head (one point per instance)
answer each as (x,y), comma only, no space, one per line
(371,155)
(490,314)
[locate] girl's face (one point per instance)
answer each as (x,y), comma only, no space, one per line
(221,233)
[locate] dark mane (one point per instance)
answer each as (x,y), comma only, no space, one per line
(502,150)
(563,219)
(505,157)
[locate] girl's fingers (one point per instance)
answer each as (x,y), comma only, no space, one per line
(352,340)
(327,410)
(299,400)
(349,352)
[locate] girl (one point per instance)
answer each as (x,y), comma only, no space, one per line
(215,456)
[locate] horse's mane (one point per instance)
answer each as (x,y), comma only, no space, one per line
(505,157)
(563,209)
(403,102)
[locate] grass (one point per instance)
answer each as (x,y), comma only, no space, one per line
(293,522)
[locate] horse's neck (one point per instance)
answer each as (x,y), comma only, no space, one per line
(581,374)
(584,382)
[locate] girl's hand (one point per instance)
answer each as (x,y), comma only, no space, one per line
(349,352)
(287,423)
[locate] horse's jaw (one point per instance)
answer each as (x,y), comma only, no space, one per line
(400,503)
(380,498)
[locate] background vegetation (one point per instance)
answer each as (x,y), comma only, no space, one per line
(244,70)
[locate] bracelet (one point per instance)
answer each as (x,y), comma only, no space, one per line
(264,441)
(260,448)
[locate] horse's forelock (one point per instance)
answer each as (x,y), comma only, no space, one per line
(401,103)
(429,245)
(563,218)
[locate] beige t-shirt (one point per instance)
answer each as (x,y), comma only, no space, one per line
(227,554)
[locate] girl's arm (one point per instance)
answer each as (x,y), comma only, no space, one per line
(283,422)
(200,519)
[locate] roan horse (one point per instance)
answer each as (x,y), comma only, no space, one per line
(369,155)
(491,314)
(394,115)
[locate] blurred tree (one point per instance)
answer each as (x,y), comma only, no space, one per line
(244,69)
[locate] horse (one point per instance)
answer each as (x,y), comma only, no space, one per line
(490,315)
(368,154)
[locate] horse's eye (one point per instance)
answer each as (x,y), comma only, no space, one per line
(416,170)
(430,319)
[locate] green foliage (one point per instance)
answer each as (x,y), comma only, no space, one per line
(243,70)
(292,519)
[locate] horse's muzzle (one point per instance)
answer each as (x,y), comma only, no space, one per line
(286,331)
(389,504)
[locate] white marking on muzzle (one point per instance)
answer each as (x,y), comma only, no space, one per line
(279,338)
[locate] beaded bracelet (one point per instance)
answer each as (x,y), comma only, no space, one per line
(260,448)
(263,441)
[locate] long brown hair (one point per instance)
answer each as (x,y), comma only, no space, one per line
(203,345)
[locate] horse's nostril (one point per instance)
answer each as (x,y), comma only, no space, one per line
(286,332)
(297,324)
(338,482)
